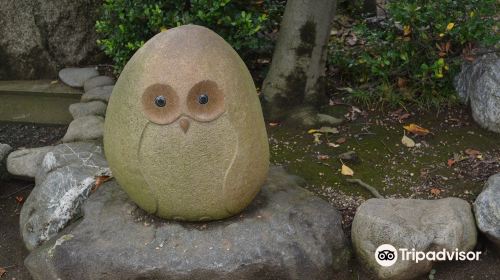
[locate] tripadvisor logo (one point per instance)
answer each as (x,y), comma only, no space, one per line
(387,255)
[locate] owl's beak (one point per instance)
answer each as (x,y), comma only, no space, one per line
(184,124)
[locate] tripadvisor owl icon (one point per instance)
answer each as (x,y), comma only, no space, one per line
(386,255)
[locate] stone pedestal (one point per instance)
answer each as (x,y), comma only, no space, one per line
(286,233)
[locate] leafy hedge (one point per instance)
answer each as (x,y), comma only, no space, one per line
(124,25)
(413,55)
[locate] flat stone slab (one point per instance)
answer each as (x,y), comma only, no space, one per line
(487,210)
(85,128)
(76,77)
(92,108)
(37,101)
(286,233)
(98,94)
(47,87)
(26,162)
(98,81)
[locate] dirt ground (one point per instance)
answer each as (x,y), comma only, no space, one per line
(375,137)
(454,159)
(12,250)
(14,191)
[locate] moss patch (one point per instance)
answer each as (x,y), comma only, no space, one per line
(386,164)
(307,39)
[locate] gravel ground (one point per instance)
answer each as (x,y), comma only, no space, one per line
(30,135)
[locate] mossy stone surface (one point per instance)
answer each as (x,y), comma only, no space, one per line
(176,153)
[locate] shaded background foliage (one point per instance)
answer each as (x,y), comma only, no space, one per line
(407,57)
(125,25)
(410,55)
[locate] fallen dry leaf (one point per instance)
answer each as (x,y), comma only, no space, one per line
(403,117)
(451,162)
(20,199)
(323,157)
(324,129)
(406,30)
(341,140)
(435,191)
(346,171)
(353,113)
(407,141)
(346,89)
(333,145)
(400,115)
(356,109)
(415,129)
(397,112)
(99,180)
(273,124)
(316,138)
(402,83)
(337,101)
(472,153)
(2,271)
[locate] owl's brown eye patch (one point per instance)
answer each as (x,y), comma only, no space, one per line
(160,104)
(205,101)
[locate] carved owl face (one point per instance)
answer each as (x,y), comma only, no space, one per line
(163,105)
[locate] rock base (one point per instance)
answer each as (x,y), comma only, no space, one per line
(286,233)
(423,225)
(479,84)
(487,210)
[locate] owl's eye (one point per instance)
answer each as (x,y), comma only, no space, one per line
(160,104)
(160,101)
(203,99)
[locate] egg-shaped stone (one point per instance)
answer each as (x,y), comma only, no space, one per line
(184,133)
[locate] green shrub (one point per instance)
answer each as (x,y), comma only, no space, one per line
(412,56)
(125,25)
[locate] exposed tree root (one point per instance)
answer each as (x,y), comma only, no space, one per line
(371,189)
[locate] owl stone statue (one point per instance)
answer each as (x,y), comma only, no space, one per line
(184,133)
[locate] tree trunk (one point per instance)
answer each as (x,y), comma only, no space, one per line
(296,76)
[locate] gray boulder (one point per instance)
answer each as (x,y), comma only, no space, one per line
(98,94)
(40,37)
(479,84)
(286,233)
(67,173)
(307,116)
(425,225)
(98,81)
(25,163)
(75,77)
(85,128)
(4,152)
(487,210)
(92,108)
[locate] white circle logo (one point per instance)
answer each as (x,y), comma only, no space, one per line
(386,255)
